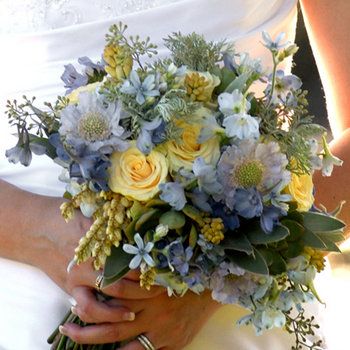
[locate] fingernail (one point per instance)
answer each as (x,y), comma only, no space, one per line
(74,310)
(63,330)
(129,316)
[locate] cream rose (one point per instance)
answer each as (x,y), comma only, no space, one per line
(74,95)
(301,189)
(136,175)
(183,152)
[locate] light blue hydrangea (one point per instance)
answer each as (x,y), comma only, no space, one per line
(142,90)
(141,252)
(94,124)
(174,194)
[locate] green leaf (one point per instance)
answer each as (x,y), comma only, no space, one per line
(156,203)
(147,220)
(239,83)
(193,237)
(317,222)
(254,263)
(310,239)
(335,236)
(193,214)
(296,230)
(278,264)
(237,242)
(137,209)
(226,77)
(50,150)
(311,130)
(330,246)
(173,219)
(117,265)
(256,235)
(294,249)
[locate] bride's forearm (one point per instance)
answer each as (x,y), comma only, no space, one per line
(32,231)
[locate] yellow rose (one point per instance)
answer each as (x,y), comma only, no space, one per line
(301,189)
(183,152)
(136,175)
(74,95)
(200,85)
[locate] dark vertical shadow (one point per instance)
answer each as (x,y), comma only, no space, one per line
(305,67)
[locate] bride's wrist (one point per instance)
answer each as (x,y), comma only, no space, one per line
(54,240)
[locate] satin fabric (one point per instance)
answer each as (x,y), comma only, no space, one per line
(31,304)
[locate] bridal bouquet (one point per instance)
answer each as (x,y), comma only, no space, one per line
(189,175)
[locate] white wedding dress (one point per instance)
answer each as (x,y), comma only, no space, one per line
(37,38)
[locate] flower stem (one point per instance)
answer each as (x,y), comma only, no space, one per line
(52,337)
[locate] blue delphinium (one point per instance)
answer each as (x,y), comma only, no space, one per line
(145,140)
(248,202)
(270,218)
(73,79)
(206,177)
(174,194)
(179,257)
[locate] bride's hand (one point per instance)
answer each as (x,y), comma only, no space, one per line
(169,322)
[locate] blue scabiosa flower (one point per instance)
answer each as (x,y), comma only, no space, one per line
(174,194)
(93,124)
(141,252)
(142,90)
(251,164)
